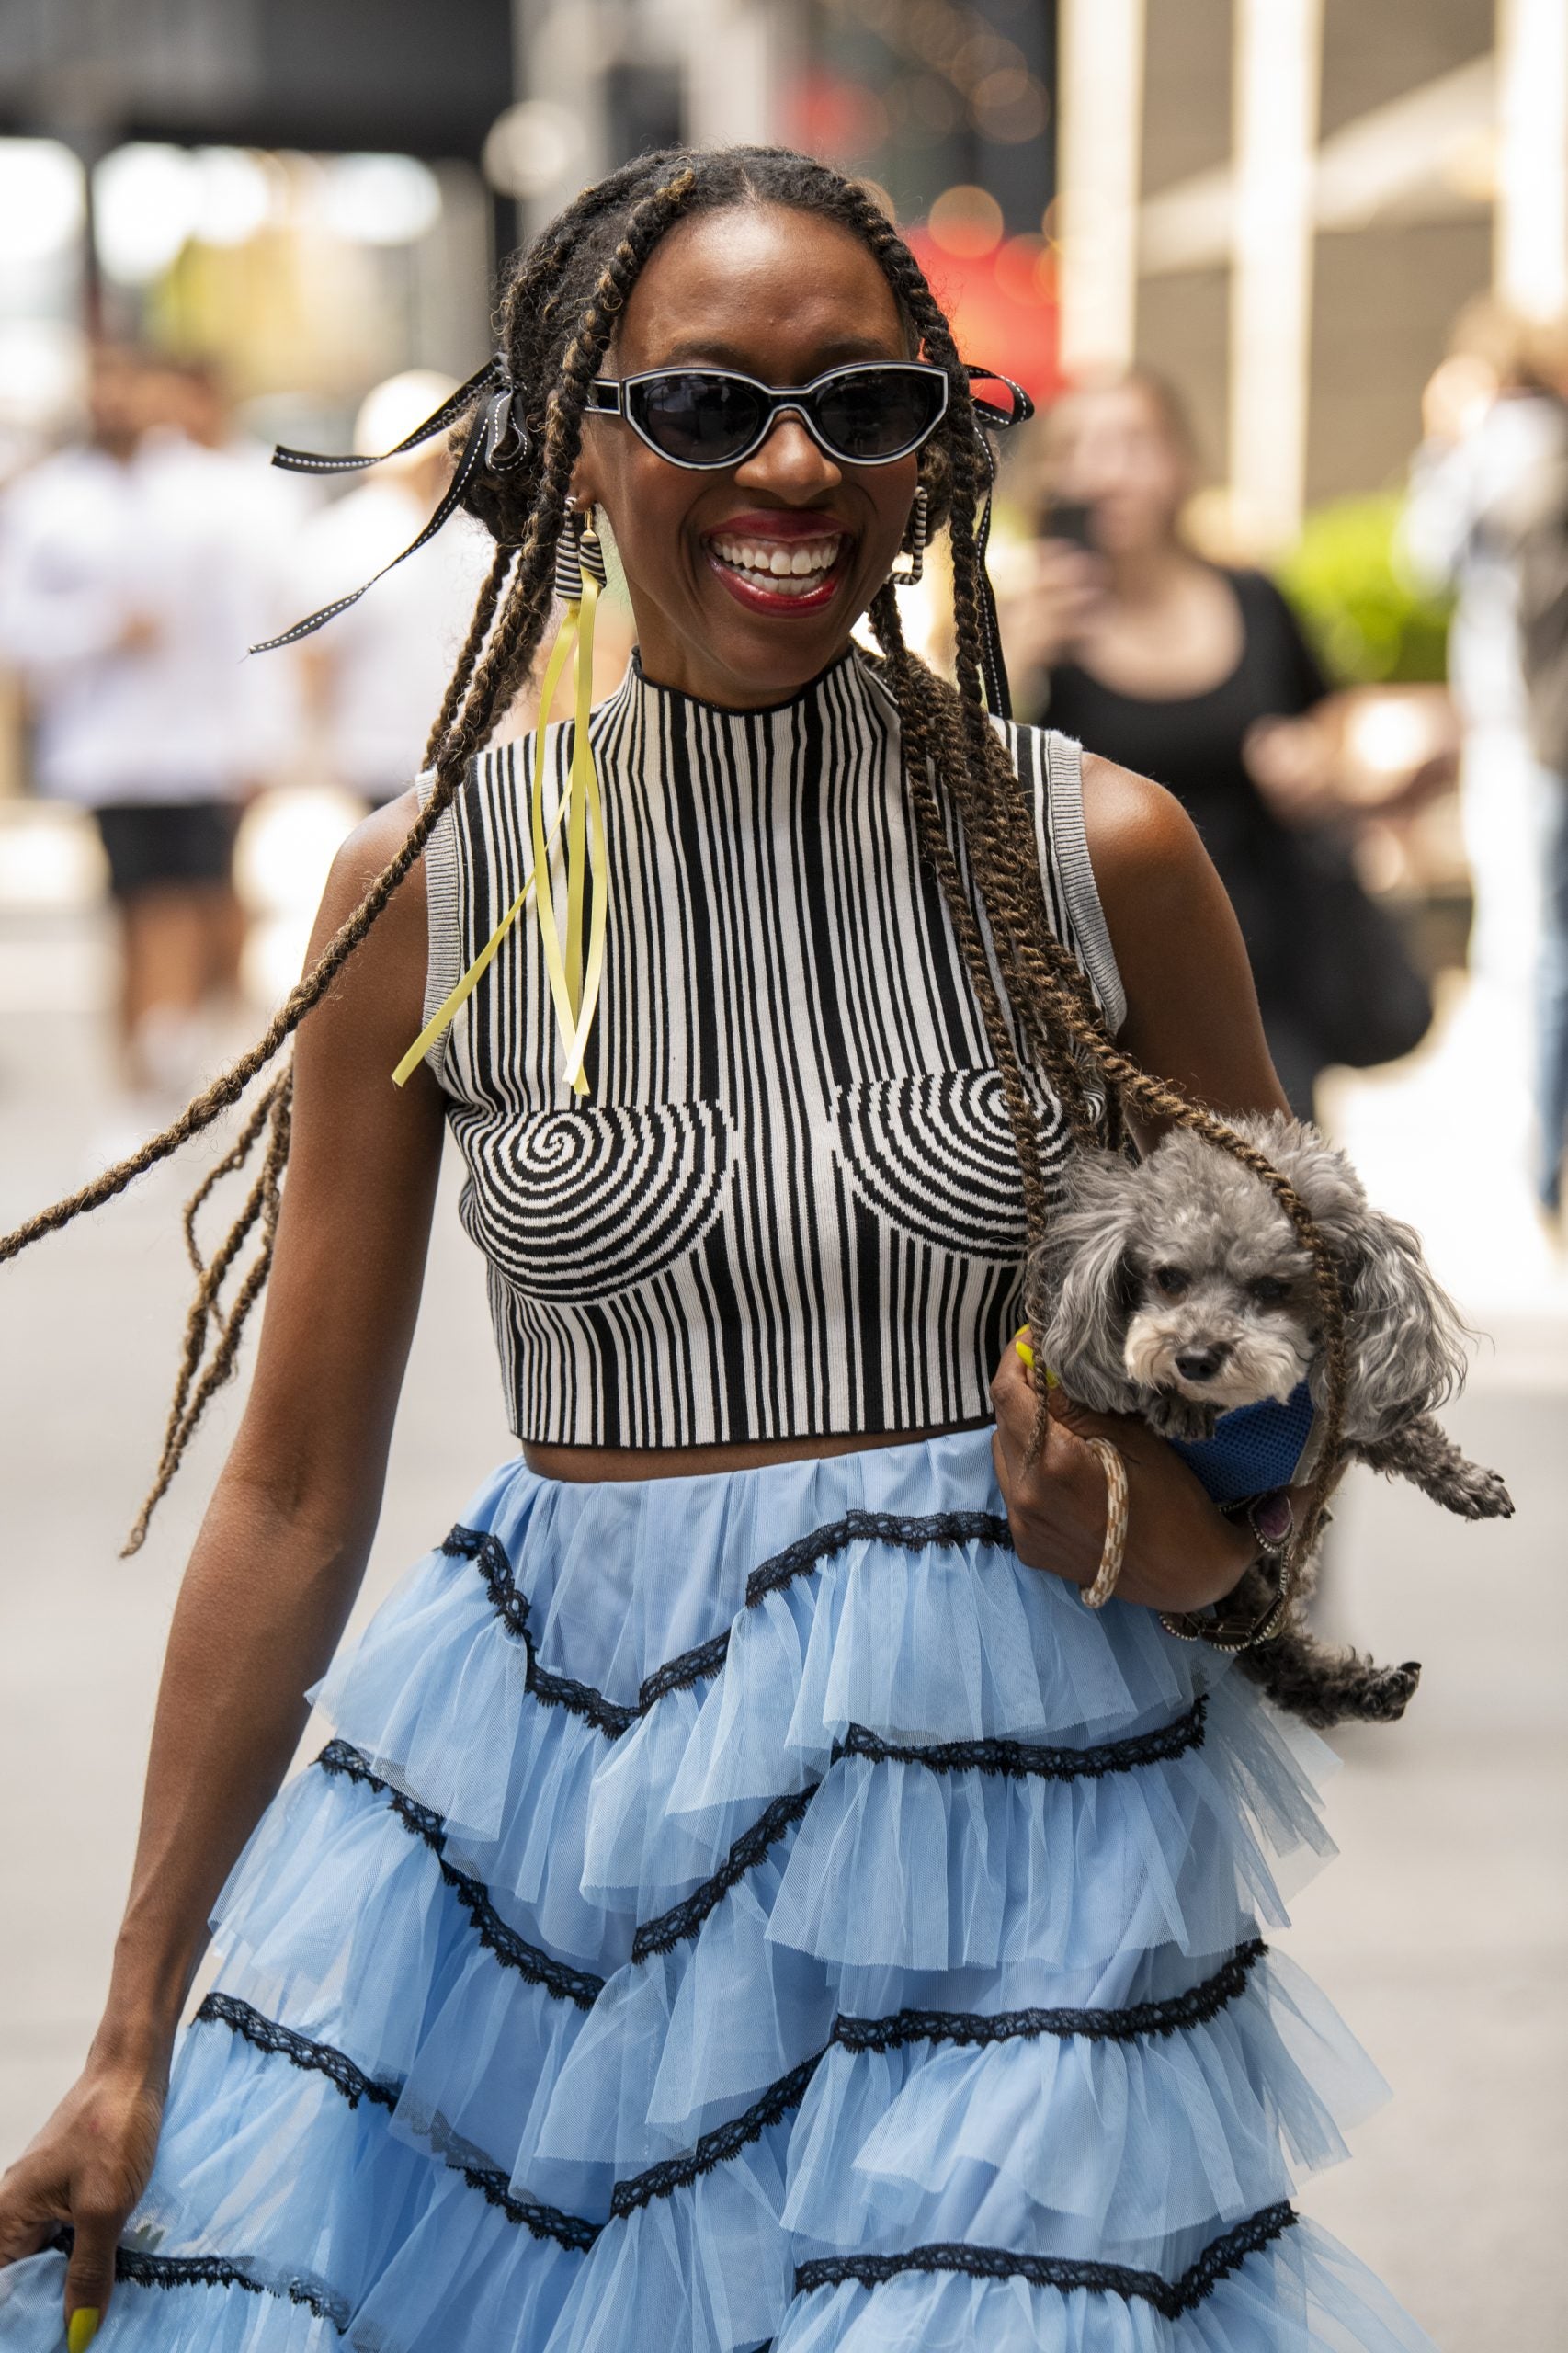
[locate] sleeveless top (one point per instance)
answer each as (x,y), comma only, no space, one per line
(790,1204)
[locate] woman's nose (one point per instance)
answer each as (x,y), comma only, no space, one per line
(789,464)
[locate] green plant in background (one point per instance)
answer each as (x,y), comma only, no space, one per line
(1368,620)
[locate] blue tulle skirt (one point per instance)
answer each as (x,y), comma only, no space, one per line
(756,1910)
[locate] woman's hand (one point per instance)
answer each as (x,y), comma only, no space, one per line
(87,2168)
(1053,600)
(1180,1554)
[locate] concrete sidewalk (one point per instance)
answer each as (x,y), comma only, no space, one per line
(1440,1933)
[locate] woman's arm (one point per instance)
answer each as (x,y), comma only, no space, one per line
(281,1551)
(1192,1019)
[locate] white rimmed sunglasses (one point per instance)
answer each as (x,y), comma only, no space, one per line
(871,413)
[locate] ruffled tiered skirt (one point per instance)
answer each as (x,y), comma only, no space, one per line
(756,1910)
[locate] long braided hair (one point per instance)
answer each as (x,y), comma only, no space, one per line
(558,312)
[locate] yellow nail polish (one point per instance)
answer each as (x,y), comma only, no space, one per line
(84,2327)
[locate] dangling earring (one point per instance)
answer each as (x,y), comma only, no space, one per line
(914,541)
(573,977)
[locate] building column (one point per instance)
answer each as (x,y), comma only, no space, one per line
(1098,158)
(1530,252)
(1278,49)
(559,48)
(740,60)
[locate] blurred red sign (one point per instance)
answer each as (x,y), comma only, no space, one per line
(1001,305)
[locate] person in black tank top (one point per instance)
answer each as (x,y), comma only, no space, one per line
(1196,745)
(1176,668)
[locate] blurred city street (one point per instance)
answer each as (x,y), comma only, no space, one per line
(1441,1932)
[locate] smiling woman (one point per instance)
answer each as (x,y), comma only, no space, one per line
(749,1899)
(703,527)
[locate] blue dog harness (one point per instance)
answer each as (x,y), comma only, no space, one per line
(1255,1449)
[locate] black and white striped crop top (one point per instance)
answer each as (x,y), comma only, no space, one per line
(788,1205)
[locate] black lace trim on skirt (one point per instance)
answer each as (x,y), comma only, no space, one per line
(1193,2008)
(1139,2022)
(725,2141)
(1011,1759)
(612,1717)
(1024,1759)
(683,1920)
(137,2268)
(580,1986)
(1169,2297)
(1017,1759)
(302,2050)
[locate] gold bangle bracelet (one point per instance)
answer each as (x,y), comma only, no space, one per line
(1113,1549)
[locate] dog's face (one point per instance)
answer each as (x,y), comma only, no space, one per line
(1222,1304)
(1182,1273)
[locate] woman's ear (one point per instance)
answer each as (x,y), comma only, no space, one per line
(587,490)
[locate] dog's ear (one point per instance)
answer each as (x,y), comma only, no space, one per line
(1079,1284)
(1322,1175)
(1405,1338)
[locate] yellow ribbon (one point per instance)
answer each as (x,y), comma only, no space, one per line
(565,998)
(574,985)
(588,801)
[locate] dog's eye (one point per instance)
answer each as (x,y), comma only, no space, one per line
(1267,1290)
(1172,1281)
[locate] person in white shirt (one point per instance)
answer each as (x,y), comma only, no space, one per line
(130,589)
(375,677)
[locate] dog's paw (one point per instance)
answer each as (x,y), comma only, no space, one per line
(1174,1415)
(1479,1494)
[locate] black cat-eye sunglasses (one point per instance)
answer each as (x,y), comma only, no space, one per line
(868,414)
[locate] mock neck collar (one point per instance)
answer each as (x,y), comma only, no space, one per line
(847,671)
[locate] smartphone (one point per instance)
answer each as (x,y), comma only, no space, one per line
(1071,519)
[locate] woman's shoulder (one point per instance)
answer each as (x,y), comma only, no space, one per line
(369,847)
(1136,830)
(1152,872)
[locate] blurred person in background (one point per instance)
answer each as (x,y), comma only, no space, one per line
(130,587)
(1487,517)
(375,680)
(1199,676)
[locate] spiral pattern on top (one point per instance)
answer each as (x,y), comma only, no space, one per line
(583,1203)
(934,1156)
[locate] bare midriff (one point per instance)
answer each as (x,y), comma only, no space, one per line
(581,1465)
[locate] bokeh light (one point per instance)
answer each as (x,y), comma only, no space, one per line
(966,223)
(532,147)
(380,199)
(236,195)
(145,201)
(42,198)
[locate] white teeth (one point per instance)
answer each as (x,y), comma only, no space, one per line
(803,561)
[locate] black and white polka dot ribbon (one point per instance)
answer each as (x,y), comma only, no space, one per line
(993,668)
(495,439)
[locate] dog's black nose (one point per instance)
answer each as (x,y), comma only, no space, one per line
(1202,1364)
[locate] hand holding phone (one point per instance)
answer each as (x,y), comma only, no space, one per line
(1070,520)
(1058,593)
